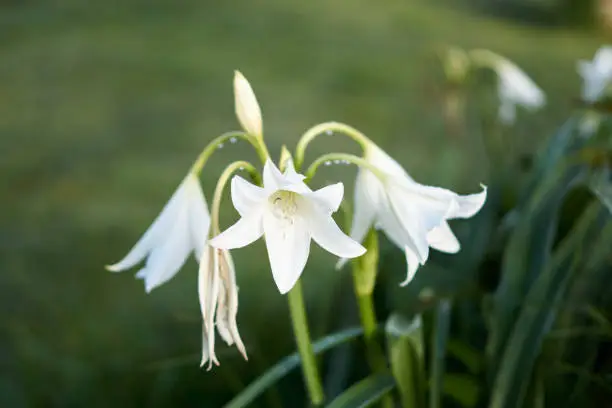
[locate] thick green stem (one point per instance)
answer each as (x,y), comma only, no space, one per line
(365,270)
(304,344)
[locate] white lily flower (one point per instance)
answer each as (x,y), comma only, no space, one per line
(218,295)
(516,88)
(247,108)
(288,214)
(181,228)
(412,215)
(596,74)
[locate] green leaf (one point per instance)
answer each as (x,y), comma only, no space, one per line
(527,253)
(560,145)
(283,367)
(406,347)
(462,388)
(364,393)
(438,355)
(469,356)
(586,246)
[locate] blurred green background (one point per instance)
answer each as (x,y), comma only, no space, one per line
(103,108)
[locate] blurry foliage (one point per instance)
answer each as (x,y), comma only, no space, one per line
(103,106)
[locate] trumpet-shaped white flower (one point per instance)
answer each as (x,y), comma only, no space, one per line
(288,214)
(218,294)
(412,215)
(596,75)
(516,88)
(247,108)
(181,228)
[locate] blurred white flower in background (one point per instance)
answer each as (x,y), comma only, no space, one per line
(514,88)
(596,75)
(288,214)
(412,215)
(596,78)
(180,229)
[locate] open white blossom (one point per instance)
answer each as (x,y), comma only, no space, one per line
(181,228)
(288,214)
(247,108)
(596,75)
(516,88)
(412,215)
(218,294)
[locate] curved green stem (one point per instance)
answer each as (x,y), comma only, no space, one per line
(261,148)
(214,144)
(351,158)
(319,129)
(218,194)
(304,344)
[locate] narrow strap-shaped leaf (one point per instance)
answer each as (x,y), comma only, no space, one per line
(527,253)
(364,393)
(283,367)
(586,246)
(438,354)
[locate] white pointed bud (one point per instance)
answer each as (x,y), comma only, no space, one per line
(247,108)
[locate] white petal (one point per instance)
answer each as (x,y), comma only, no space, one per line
(158,229)
(330,237)
(419,209)
(199,218)
(412,264)
(212,300)
(167,259)
(443,239)
(228,274)
(247,108)
(205,272)
(288,245)
(246,196)
(468,205)
(507,112)
(290,173)
(329,198)
(205,356)
(376,156)
(273,179)
(363,214)
(242,233)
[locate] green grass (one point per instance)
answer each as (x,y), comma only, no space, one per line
(103,108)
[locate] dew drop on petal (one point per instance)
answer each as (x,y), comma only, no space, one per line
(220,146)
(328,163)
(329,132)
(337,161)
(233,139)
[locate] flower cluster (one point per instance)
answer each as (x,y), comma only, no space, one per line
(289,214)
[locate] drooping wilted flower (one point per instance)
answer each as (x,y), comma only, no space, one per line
(412,215)
(247,108)
(218,295)
(181,228)
(596,75)
(288,214)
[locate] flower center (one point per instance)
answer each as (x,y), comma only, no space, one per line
(284,205)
